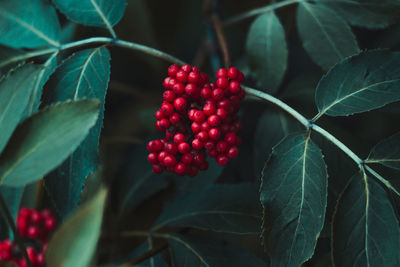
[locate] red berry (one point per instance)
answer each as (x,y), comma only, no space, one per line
(240,77)
(209,145)
(157,169)
(154,146)
(174,118)
(25,213)
(179,138)
(202,136)
(159,115)
(196,127)
(213,153)
(152,158)
(234,87)
(180,104)
(205,92)
(178,89)
(232,152)
(171,148)
(171,83)
(221,113)
(230,138)
(187,158)
(194,77)
(172,70)
(191,89)
(222,146)
(161,156)
(198,159)
(40,259)
(180,169)
(205,126)
(170,161)
(217,94)
(186,68)
(169,96)
(222,73)
(166,82)
(222,83)
(222,160)
(233,73)
(213,120)
(224,103)
(214,134)
(33,232)
(192,171)
(181,76)
(164,123)
(184,147)
(198,116)
(167,109)
(197,144)
(32,255)
(209,109)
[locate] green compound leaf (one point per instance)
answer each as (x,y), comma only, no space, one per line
(100,13)
(209,252)
(83,75)
(221,208)
(15,89)
(372,14)
(387,152)
(28,23)
(365,227)
(43,141)
(267,51)
(326,37)
(74,243)
(360,83)
(293,195)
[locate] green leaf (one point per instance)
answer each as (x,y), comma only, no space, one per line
(365,228)
(42,77)
(267,51)
(221,208)
(372,14)
(83,75)
(387,152)
(74,243)
(209,252)
(28,23)
(100,13)
(272,127)
(139,181)
(46,139)
(293,194)
(15,89)
(12,197)
(360,83)
(326,37)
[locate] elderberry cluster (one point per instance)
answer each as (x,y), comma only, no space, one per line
(198,118)
(35,228)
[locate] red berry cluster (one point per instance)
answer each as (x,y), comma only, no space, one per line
(198,118)
(35,228)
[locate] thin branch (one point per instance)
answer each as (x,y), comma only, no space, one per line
(146,255)
(258,11)
(221,39)
(17,237)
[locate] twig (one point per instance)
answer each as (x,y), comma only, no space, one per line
(17,237)
(146,255)
(221,38)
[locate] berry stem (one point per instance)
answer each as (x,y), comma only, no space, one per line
(17,237)
(260,10)
(221,39)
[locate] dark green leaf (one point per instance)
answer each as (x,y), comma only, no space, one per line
(74,243)
(83,75)
(293,194)
(210,252)
(365,228)
(15,89)
(361,83)
(46,139)
(373,14)
(222,208)
(12,197)
(326,37)
(387,152)
(267,52)
(28,23)
(139,181)
(272,127)
(101,13)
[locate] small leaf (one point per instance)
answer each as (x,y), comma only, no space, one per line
(74,243)
(326,37)
(293,194)
(83,75)
(365,227)
(28,23)
(272,127)
(100,13)
(201,251)
(361,83)
(221,208)
(387,152)
(372,14)
(15,90)
(46,139)
(266,50)
(36,95)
